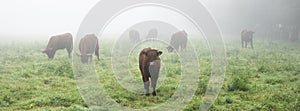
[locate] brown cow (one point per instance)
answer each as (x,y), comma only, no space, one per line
(178,39)
(149,63)
(87,46)
(134,36)
(63,41)
(247,36)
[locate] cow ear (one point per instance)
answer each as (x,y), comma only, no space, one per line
(159,53)
(144,52)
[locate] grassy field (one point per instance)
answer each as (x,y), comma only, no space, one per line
(264,78)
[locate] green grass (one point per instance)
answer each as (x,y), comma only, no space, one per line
(264,78)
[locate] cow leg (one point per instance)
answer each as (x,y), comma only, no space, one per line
(251,43)
(91,58)
(177,47)
(246,44)
(242,44)
(52,54)
(146,86)
(69,52)
(154,72)
(153,85)
(183,47)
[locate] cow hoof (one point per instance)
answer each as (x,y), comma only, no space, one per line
(154,93)
(148,94)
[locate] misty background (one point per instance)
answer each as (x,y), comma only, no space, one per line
(40,19)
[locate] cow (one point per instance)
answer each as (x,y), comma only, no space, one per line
(63,41)
(152,33)
(178,39)
(149,63)
(87,46)
(134,36)
(246,37)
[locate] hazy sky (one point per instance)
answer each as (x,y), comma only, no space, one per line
(149,13)
(46,17)
(51,17)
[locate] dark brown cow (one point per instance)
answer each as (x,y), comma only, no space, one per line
(87,46)
(63,41)
(178,39)
(152,33)
(149,63)
(134,36)
(247,36)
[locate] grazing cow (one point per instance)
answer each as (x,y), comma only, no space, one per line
(247,36)
(178,39)
(152,33)
(87,46)
(134,36)
(149,63)
(63,41)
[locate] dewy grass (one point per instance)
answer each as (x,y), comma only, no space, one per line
(263,78)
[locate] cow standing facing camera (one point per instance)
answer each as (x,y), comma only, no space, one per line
(149,63)
(247,37)
(87,46)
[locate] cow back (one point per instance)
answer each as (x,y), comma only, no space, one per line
(179,38)
(60,41)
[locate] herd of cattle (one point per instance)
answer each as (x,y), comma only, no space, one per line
(149,60)
(87,46)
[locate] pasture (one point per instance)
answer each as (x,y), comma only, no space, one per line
(264,78)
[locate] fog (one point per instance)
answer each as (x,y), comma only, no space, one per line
(43,18)
(262,16)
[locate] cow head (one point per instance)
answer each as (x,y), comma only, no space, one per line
(49,52)
(84,57)
(170,49)
(251,34)
(152,54)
